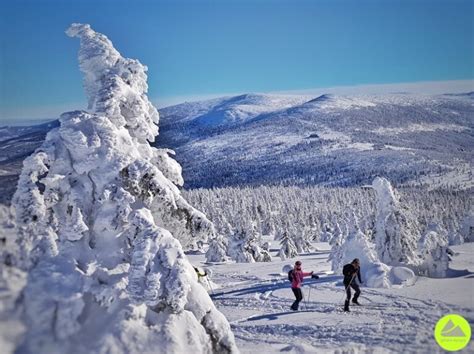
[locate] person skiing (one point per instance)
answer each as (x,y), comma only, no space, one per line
(297,276)
(350,271)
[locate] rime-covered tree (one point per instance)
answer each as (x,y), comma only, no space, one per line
(356,245)
(217,251)
(302,240)
(100,221)
(244,246)
(433,248)
(255,248)
(396,233)
(467,226)
(326,233)
(287,247)
(238,248)
(454,236)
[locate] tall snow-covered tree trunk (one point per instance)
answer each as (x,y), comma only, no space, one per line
(100,223)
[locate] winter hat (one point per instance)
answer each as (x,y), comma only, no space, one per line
(297,263)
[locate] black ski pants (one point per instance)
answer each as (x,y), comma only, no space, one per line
(354,286)
(299,296)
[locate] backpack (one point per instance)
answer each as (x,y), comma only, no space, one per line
(290,275)
(347,270)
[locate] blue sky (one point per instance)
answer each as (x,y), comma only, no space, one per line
(206,48)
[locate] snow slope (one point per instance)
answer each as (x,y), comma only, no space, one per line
(256,300)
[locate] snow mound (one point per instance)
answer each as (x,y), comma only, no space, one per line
(100,220)
(373,272)
(402,276)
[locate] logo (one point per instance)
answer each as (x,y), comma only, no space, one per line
(452,332)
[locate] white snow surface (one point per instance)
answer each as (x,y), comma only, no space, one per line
(100,220)
(256,298)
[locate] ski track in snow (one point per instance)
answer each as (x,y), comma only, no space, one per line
(389,320)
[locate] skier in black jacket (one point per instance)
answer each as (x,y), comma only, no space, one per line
(350,271)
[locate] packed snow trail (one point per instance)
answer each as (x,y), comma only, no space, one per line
(389,320)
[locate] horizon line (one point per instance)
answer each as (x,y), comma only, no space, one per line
(435,87)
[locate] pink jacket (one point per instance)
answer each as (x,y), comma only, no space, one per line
(298,278)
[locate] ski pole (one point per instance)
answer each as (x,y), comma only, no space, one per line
(304,300)
(210,287)
(309,293)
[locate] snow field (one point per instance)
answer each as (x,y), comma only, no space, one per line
(256,299)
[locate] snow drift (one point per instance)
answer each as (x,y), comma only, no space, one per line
(102,224)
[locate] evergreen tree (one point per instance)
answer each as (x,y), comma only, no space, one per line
(396,233)
(287,247)
(100,219)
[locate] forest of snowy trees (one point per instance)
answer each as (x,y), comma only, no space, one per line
(412,226)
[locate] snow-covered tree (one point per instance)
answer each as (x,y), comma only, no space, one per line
(217,251)
(287,247)
(326,235)
(454,236)
(396,233)
(245,246)
(100,221)
(467,226)
(301,242)
(356,245)
(238,248)
(255,248)
(433,248)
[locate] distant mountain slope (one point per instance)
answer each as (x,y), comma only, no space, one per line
(256,139)
(330,140)
(16,143)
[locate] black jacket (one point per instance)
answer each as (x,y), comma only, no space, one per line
(349,270)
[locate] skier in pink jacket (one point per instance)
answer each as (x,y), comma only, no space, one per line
(297,276)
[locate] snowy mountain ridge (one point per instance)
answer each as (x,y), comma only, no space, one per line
(328,140)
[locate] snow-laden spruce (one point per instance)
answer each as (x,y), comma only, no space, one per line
(467,225)
(101,220)
(396,232)
(433,249)
(245,246)
(356,245)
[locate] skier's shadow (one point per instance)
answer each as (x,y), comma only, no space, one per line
(275,316)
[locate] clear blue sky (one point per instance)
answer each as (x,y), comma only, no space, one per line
(195,48)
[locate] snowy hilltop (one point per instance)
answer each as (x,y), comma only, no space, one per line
(330,140)
(102,226)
